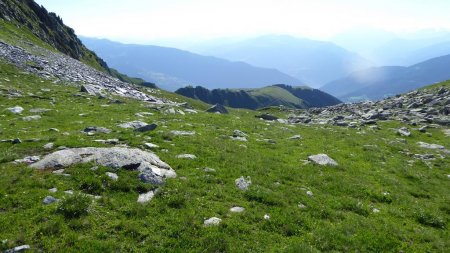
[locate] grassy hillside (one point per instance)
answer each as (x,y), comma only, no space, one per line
(376,171)
(275,95)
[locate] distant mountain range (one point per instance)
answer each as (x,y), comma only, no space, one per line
(380,82)
(314,62)
(172,68)
(275,95)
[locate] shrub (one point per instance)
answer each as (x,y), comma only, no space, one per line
(74,206)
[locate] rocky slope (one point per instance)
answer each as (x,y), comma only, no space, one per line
(59,67)
(425,106)
(49,28)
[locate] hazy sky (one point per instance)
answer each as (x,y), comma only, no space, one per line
(150,20)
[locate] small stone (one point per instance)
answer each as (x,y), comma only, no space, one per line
(146,197)
(182,133)
(301,206)
(53,190)
(237,209)
(28,160)
(70,192)
(238,138)
(16,141)
(430,146)
(146,128)
(295,137)
(54,130)
(375,210)
(218,108)
(48,145)
(322,159)
(243,183)
(266,216)
(404,132)
(214,221)
(60,171)
(239,133)
(310,193)
(21,248)
(49,200)
(16,109)
(187,156)
(151,145)
(113,176)
(209,169)
(31,118)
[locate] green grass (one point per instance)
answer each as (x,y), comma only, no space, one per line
(413,215)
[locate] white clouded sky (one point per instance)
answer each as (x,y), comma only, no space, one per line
(149,20)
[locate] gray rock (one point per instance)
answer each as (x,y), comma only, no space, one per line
(218,108)
(49,145)
(16,141)
(39,110)
(430,146)
(146,128)
(187,156)
(322,159)
(133,124)
(31,118)
(295,137)
(146,197)
(28,160)
(53,190)
(149,164)
(151,145)
(95,129)
(21,248)
(239,133)
(49,200)
(16,109)
(214,221)
(238,138)
(182,133)
(113,176)
(243,183)
(404,132)
(237,209)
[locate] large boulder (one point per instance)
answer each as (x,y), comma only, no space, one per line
(152,169)
(322,159)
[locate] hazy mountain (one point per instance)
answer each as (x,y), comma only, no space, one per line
(172,68)
(275,95)
(315,62)
(376,83)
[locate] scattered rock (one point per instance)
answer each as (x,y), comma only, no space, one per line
(54,130)
(187,156)
(430,146)
(53,190)
(310,193)
(16,141)
(266,216)
(242,183)
(146,197)
(237,209)
(113,176)
(49,200)
(151,145)
(296,137)
(375,210)
(404,132)
(95,129)
(182,133)
(146,128)
(49,145)
(238,138)
(16,109)
(218,108)
(214,221)
(239,133)
(21,248)
(31,118)
(133,124)
(322,159)
(28,160)
(301,206)
(39,110)
(209,169)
